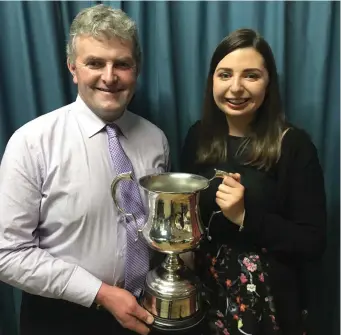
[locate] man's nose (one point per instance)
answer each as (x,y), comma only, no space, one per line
(109,76)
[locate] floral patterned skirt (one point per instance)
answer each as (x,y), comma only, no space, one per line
(238,291)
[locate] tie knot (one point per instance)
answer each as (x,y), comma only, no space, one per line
(112,130)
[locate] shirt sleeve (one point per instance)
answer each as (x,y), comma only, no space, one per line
(300,229)
(22,263)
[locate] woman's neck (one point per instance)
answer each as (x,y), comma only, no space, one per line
(238,126)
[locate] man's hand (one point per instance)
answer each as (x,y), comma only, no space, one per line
(124,307)
(230,198)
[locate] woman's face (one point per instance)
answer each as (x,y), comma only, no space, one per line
(239,83)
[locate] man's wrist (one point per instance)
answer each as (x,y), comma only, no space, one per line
(101,294)
(104,291)
(82,287)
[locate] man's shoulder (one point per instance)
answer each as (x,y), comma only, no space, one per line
(143,124)
(33,134)
(43,124)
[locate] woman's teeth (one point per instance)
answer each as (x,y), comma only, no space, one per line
(237,101)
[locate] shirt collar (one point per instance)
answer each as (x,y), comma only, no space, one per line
(92,124)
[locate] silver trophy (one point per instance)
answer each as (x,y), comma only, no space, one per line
(172,293)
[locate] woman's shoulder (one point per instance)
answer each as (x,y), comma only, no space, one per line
(297,136)
(293,134)
(297,143)
(194,129)
(192,135)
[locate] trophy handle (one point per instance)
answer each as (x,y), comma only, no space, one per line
(209,237)
(114,185)
(218,174)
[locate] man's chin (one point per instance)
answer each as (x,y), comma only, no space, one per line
(110,115)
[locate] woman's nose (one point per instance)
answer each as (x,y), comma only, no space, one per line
(236,85)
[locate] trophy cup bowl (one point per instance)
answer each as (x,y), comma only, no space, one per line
(172,293)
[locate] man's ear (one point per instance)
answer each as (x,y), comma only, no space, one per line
(72,69)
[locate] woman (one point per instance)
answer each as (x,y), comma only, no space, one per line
(272,212)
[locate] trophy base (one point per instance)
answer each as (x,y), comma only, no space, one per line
(162,325)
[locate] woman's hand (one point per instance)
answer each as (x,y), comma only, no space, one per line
(230,198)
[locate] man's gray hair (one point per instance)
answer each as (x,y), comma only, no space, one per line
(103,21)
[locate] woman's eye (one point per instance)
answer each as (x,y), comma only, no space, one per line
(224,75)
(252,76)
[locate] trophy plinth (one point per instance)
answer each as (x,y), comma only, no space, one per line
(172,293)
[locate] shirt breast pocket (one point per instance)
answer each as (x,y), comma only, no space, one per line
(153,171)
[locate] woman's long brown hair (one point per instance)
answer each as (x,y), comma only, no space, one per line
(264,139)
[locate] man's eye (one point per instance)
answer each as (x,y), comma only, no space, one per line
(95,65)
(123,66)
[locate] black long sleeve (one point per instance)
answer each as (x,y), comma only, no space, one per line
(298,226)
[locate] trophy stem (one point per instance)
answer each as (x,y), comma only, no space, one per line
(172,263)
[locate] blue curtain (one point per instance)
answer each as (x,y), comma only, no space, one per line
(178,39)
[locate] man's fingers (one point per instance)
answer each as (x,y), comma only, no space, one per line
(150,305)
(143,315)
(154,311)
(141,328)
(136,325)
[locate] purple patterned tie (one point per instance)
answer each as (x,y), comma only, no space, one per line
(137,261)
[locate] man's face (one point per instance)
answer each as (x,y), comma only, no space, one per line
(105,72)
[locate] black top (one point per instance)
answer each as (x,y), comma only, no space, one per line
(285,212)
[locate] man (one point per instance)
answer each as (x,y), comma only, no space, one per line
(62,240)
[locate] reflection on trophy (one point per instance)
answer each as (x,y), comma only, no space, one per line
(172,292)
